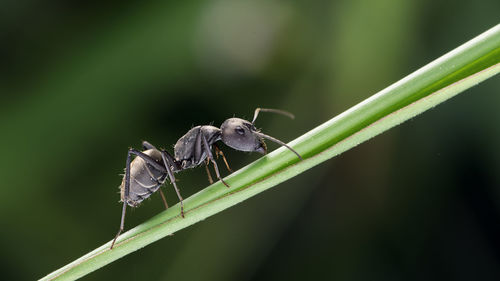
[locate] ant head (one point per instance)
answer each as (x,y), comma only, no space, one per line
(242,135)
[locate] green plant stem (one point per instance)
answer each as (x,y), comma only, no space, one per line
(434,83)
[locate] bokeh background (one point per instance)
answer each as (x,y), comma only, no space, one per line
(81,81)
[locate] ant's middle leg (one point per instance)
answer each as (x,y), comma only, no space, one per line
(159,183)
(146,146)
(155,164)
(148,159)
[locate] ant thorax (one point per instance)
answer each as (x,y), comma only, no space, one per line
(189,152)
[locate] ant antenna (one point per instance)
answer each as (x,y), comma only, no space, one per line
(278,142)
(282,112)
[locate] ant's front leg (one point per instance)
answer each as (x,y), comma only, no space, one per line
(211,157)
(218,152)
(210,180)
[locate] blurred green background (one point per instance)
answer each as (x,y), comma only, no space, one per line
(82,81)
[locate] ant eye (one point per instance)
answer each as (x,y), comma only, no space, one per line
(240,130)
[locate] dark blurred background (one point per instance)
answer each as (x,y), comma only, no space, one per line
(81,81)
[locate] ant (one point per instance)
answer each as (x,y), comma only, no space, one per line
(151,167)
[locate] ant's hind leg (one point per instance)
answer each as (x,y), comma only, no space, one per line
(126,192)
(126,186)
(168,162)
(122,224)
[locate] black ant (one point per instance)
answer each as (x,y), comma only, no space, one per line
(150,168)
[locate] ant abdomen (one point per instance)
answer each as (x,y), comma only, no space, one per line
(144,179)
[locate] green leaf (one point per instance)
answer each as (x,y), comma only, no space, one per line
(449,75)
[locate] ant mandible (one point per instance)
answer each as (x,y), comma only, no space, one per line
(151,167)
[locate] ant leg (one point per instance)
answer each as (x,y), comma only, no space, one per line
(168,160)
(155,164)
(163,198)
(125,197)
(211,157)
(174,165)
(148,160)
(210,180)
(218,152)
(126,191)
(146,145)
(122,225)
(159,184)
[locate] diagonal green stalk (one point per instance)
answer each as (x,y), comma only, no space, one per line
(447,76)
